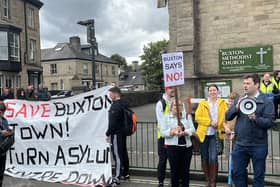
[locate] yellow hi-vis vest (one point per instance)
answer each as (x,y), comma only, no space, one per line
(266,88)
(165,112)
(275,83)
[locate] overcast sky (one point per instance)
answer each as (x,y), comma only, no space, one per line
(122,26)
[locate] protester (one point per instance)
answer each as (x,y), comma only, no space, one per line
(210,118)
(7,94)
(30,94)
(229,125)
(251,133)
(116,136)
(162,108)
(20,94)
(4,131)
(178,142)
(43,94)
(266,86)
(276,87)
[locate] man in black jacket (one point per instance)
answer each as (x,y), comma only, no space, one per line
(116,136)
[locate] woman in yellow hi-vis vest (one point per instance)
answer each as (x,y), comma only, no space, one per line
(210,116)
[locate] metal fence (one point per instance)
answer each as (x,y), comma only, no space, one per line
(142,149)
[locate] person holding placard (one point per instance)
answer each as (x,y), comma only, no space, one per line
(178,142)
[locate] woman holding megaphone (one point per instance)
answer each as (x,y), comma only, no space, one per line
(210,118)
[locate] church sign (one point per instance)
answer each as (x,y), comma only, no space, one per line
(246,60)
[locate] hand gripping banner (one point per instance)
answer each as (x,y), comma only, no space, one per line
(61,140)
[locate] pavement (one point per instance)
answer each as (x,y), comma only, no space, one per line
(133,182)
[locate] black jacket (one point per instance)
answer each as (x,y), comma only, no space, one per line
(253,132)
(116,117)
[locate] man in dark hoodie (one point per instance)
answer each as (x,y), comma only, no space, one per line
(116,136)
(251,133)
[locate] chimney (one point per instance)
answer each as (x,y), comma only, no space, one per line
(135,65)
(75,43)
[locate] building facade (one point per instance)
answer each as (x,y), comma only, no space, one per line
(223,40)
(20,43)
(68,66)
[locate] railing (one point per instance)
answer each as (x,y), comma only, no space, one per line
(142,149)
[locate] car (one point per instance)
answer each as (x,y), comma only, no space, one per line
(63,94)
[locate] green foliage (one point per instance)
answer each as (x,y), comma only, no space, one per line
(122,62)
(151,66)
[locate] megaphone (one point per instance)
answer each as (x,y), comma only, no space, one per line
(248,106)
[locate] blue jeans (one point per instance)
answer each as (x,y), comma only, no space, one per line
(241,156)
(208,150)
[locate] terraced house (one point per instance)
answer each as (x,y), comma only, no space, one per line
(20,43)
(67,66)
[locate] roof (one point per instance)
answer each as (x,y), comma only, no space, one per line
(36,3)
(131,78)
(65,51)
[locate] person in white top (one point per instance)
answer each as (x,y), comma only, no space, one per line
(161,110)
(177,135)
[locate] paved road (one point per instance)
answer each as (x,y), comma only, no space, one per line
(133,182)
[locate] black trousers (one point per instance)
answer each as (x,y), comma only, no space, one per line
(162,160)
(276,102)
(120,155)
(179,159)
(2,168)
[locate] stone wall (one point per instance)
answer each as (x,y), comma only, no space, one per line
(223,24)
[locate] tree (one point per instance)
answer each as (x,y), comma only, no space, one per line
(122,61)
(151,66)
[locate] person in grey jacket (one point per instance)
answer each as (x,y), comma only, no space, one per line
(178,142)
(251,133)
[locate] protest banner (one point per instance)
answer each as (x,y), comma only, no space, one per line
(61,140)
(173,69)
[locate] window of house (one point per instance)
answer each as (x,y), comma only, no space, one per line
(17,82)
(53,69)
(106,70)
(5,7)
(61,84)
(9,82)
(85,69)
(54,86)
(113,70)
(14,46)
(1,83)
(30,17)
(4,46)
(32,50)
(97,68)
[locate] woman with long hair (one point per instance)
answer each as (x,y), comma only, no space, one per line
(210,116)
(177,133)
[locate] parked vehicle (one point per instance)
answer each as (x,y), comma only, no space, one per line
(63,94)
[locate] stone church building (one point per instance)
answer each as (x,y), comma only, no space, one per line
(223,40)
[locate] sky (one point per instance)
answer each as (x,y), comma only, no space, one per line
(121,26)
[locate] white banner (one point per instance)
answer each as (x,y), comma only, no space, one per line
(61,140)
(173,69)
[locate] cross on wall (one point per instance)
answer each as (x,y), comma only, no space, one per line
(261,53)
